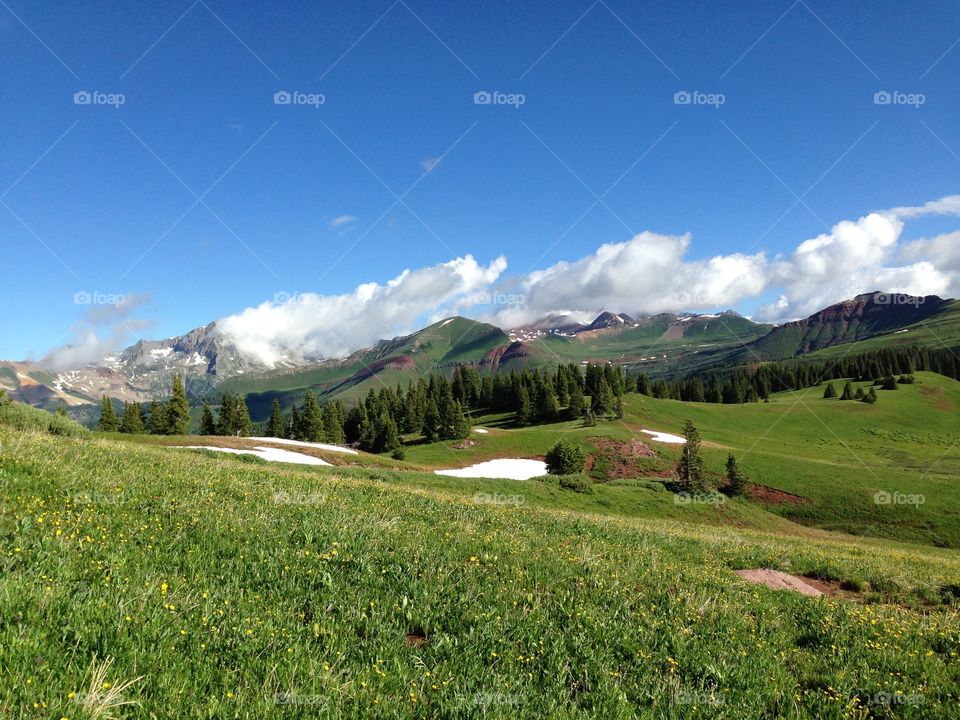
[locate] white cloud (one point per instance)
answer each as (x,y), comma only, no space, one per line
(103,328)
(645,274)
(649,273)
(342,220)
(331,326)
(949,205)
(853,258)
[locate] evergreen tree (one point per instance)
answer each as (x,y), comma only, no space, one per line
(870,397)
(296,423)
(158,418)
(131,423)
(178,409)
(603,399)
(243,425)
(524,408)
(577,402)
(227,418)
(109,422)
(736,482)
(312,418)
(847,393)
(333,424)
(829,392)
(565,458)
(275,426)
(690,467)
(208,426)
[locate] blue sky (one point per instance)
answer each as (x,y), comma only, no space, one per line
(104,198)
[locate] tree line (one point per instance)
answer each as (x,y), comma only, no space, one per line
(752,384)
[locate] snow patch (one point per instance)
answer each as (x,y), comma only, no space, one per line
(161,352)
(665,437)
(482,431)
(446,322)
(301,443)
(503,468)
(269,454)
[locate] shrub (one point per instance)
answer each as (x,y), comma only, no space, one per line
(24,417)
(565,458)
(577,483)
(399,454)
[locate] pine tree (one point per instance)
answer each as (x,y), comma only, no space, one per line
(208,425)
(296,421)
(109,422)
(158,418)
(178,409)
(431,421)
(227,419)
(333,424)
(131,423)
(312,418)
(603,400)
(275,426)
(847,393)
(242,427)
(690,467)
(736,482)
(524,408)
(577,402)
(829,392)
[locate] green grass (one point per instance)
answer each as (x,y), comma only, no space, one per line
(226,586)
(835,455)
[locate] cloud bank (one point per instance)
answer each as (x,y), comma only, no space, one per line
(648,273)
(314,326)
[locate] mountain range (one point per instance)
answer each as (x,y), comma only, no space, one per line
(660,345)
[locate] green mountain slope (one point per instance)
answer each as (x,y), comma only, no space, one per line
(875,316)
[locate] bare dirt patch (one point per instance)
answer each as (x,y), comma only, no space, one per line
(618,459)
(936,398)
(773,496)
(776,580)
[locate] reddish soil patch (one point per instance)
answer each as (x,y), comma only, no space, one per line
(773,496)
(935,395)
(464,444)
(619,457)
(776,580)
(416,639)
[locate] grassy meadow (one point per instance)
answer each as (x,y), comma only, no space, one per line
(191,584)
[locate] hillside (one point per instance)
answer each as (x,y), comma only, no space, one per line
(868,316)
(221,586)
